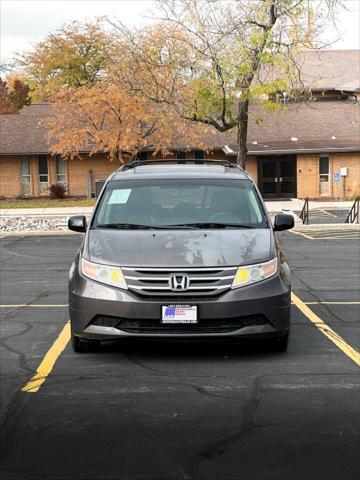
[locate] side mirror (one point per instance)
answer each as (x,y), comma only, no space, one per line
(77,223)
(283,222)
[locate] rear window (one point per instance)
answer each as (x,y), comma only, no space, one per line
(173,202)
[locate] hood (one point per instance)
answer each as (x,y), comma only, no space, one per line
(180,248)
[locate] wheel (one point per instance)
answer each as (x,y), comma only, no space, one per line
(280,344)
(81,345)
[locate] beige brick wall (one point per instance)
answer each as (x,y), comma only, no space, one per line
(352,181)
(77,169)
(251,167)
(52,170)
(307,175)
(308,181)
(34,171)
(9,176)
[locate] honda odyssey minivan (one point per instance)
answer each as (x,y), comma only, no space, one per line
(179,251)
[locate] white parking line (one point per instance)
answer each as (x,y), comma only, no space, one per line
(327,213)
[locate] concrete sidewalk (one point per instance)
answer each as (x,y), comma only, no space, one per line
(296,204)
(291,205)
(45,212)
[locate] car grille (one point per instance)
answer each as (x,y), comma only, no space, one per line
(214,325)
(202,281)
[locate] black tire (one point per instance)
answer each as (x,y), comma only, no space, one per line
(280,344)
(82,345)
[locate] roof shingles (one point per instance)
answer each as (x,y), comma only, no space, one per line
(323,126)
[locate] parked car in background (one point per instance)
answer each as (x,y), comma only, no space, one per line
(179,251)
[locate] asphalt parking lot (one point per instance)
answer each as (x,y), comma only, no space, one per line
(320,216)
(182,411)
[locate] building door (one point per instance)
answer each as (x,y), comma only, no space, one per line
(277,176)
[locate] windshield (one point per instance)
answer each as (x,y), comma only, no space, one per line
(185,203)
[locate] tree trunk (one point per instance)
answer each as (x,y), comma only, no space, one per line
(242,133)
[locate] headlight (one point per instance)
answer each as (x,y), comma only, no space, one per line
(103,273)
(254,273)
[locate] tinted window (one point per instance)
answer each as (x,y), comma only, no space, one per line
(180,154)
(171,202)
(324,165)
(43,165)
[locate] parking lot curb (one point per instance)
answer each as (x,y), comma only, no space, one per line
(44,233)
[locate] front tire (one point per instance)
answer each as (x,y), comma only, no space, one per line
(280,344)
(82,345)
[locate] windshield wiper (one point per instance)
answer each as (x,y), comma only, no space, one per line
(136,226)
(127,226)
(211,225)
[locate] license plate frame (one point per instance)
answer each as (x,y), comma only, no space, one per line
(179,314)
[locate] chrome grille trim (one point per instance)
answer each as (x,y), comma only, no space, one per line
(154,281)
(177,269)
(179,293)
(149,279)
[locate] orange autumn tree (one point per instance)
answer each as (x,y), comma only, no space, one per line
(107,118)
(13,96)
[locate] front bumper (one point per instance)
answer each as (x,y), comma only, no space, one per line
(269,298)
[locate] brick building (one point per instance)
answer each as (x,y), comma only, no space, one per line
(292,153)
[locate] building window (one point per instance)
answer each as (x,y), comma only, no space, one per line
(199,155)
(142,156)
(25,169)
(324,172)
(25,177)
(43,169)
(61,175)
(181,155)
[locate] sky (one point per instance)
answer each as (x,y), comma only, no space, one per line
(25,22)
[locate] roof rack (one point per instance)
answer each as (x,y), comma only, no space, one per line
(178,161)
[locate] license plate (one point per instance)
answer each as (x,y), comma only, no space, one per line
(179,314)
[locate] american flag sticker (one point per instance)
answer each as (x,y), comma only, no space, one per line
(179,314)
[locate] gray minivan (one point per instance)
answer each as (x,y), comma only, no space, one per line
(179,251)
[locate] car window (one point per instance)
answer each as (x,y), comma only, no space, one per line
(173,202)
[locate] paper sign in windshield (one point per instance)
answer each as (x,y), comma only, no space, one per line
(119,196)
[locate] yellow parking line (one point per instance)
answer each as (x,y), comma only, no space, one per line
(326,330)
(35,305)
(48,362)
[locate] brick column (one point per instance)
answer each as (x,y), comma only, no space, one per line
(308,175)
(34,172)
(52,170)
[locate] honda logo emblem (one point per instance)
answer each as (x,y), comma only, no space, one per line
(179,282)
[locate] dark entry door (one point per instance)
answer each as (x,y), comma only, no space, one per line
(277,176)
